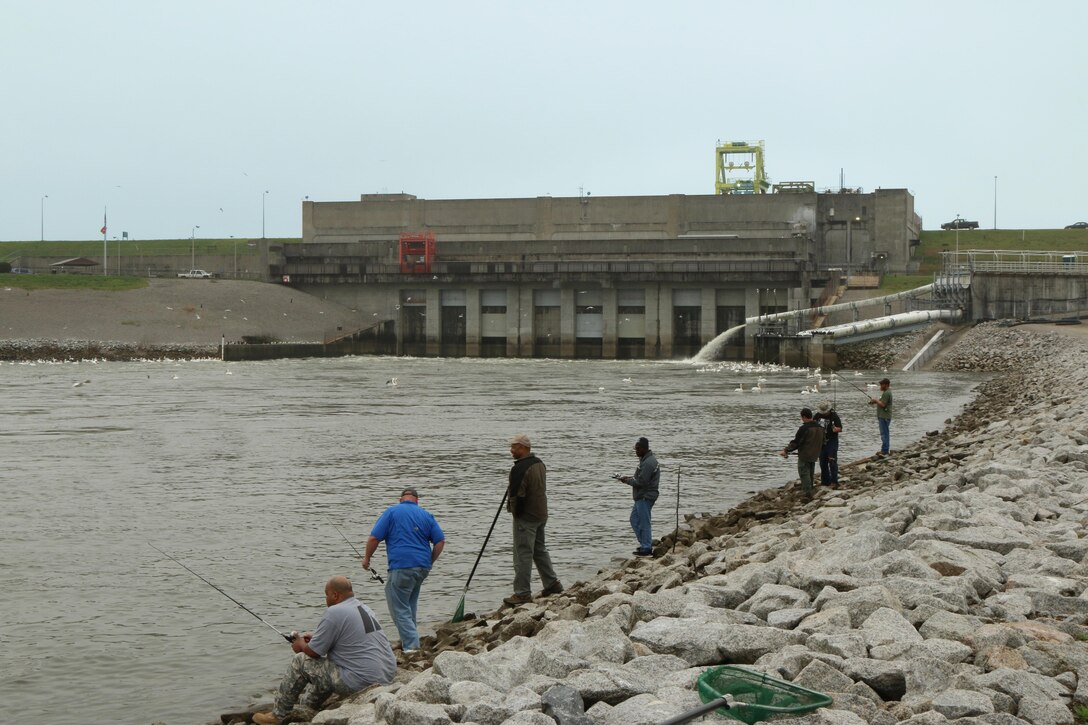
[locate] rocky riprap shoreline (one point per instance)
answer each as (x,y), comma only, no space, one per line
(882,353)
(947,583)
(80,350)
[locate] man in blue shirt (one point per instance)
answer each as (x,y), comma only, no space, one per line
(413,542)
(347,653)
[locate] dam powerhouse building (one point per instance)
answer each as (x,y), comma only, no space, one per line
(589,277)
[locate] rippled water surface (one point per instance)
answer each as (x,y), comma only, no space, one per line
(242,470)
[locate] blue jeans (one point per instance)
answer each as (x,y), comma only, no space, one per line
(640,522)
(885,434)
(402,596)
(829,462)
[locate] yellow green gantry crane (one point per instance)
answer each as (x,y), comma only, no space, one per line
(740,168)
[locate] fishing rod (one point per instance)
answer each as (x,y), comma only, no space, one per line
(289,637)
(860,390)
(374,576)
(676,531)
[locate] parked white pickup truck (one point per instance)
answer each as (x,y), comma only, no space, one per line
(195,274)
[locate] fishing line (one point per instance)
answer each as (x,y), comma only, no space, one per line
(289,637)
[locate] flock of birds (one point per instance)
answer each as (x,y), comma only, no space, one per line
(817,380)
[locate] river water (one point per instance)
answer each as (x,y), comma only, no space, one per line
(242,470)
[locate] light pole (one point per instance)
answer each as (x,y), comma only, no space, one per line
(44,197)
(995,202)
(192,241)
(957,238)
(263,197)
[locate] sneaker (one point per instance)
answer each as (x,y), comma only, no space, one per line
(643,552)
(554,588)
(265,718)
(516,599)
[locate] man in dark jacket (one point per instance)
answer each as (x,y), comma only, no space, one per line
(527,501)
(808,442)
(644,489)
(830,421)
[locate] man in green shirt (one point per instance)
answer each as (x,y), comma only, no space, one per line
(884,416)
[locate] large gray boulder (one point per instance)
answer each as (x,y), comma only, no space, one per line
(822,677)
(992,538)
(692,640)
(844,645)
(887,626)
(888,679)
(954,704)
(772,597)
(860,603)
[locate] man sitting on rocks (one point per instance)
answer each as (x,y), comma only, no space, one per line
(348,652)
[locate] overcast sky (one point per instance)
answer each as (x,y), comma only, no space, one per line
(178,114)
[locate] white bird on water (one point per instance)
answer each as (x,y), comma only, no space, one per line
(392,381)
(79,384)
(739,389)
(628,380)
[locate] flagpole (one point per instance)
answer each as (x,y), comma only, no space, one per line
(105,253)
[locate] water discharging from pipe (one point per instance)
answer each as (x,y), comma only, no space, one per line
(712,349)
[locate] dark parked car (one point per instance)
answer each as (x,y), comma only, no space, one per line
(959,223)
(1078,225)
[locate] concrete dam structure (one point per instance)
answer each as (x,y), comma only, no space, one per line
(588,277)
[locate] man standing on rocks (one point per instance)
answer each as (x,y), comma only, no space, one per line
(830,421)
(347,653)
(644,489)
(413,542)
(527,501)
(807,442)
(884,416)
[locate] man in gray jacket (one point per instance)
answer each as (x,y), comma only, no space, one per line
(644,489)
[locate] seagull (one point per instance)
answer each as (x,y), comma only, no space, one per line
(392,381)
(78,384)
(628,380)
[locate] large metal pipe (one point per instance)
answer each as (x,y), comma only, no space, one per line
(828,309)
(891,322)
(711,349)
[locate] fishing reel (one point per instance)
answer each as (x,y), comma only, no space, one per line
(617,477)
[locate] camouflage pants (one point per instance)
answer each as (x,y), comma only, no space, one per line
(320,674)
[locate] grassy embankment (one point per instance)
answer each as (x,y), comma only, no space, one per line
(126,248)
(71,281)
(1028,240)
(133,248)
